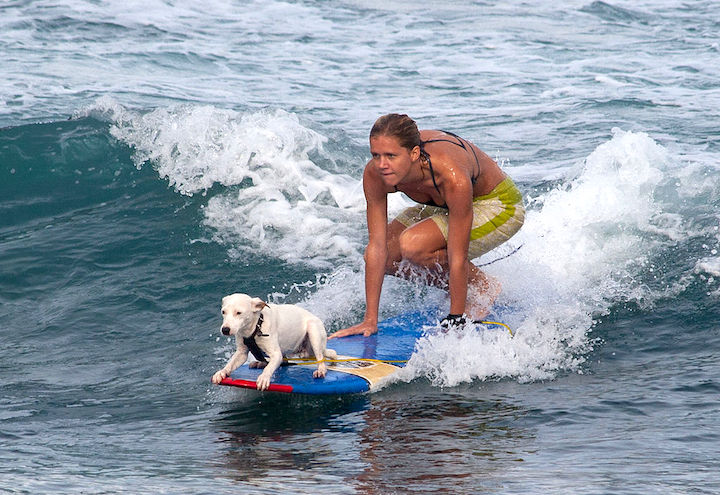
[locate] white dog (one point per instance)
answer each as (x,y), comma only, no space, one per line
(275,330)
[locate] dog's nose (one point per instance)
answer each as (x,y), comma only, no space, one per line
(226,330)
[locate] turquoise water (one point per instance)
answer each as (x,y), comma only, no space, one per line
(158,156)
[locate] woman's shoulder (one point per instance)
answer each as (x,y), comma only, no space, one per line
(426,134)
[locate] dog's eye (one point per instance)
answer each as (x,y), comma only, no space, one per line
(238,313)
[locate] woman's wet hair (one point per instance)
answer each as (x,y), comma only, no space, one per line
(399,126)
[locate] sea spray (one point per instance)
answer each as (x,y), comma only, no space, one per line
(584,248)
(265,192)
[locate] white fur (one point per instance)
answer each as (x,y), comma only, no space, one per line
(286,329)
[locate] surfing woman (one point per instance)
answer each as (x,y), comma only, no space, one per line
(467,206)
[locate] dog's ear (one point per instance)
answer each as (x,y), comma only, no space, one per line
(257,304)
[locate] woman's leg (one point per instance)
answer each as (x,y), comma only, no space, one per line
(424,245)
(482,292)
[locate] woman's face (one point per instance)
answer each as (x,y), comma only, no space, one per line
(392,161)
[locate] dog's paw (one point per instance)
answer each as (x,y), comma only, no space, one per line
(263,382)
(218,377)
(321,371)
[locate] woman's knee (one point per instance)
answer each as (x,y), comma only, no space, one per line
(392,261)
(412,247)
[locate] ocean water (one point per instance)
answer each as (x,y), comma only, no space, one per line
(156,156)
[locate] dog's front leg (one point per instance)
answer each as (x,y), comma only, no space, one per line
(237,359)
(274,361)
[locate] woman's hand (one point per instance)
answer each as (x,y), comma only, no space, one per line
(365,328)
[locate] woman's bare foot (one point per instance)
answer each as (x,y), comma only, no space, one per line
(364,328)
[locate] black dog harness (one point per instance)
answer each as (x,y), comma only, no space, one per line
(252,345)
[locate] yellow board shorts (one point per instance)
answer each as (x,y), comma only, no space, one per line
(497,216)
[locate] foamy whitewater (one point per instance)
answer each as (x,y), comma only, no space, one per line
(156,156)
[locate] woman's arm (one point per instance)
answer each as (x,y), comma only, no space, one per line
(376,254)
(457,192)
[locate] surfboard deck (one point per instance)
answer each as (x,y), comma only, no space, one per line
(394,341)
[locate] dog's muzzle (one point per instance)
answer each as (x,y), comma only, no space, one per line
(226,330)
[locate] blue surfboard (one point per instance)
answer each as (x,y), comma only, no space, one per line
(363,363)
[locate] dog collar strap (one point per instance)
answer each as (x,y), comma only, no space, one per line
(252,345)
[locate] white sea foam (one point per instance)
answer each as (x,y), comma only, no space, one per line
(275,200)
(707,268)
(588,233)
(709,265)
